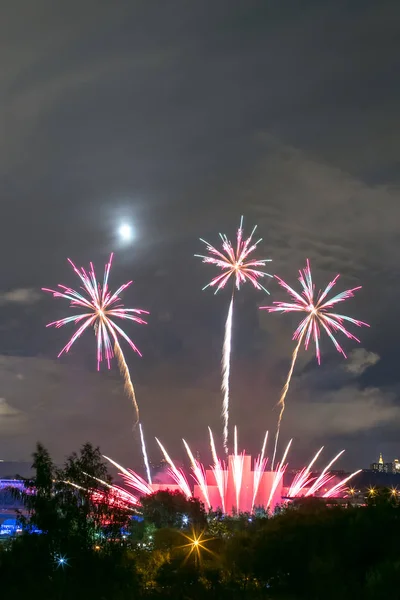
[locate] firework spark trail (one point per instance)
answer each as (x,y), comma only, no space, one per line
(235,264)
(119,497)
(145,457)
(219,471)
(318,316)
(131,478)
(199,475)
(259,468)
(303,485)
(226,367)
(237,470)
(176,473)
(321,480)
(101,306)
(128,385)
(281,402)
(121,494)
(279,474)
(340,487)
(303,479)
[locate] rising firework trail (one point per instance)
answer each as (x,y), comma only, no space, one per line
(318,315)
(101,307)
(144,453)
(226,368)
(236,266)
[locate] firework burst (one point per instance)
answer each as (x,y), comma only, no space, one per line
(101,307)
(237,265)
(318,316)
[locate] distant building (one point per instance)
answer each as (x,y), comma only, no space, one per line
(386,467)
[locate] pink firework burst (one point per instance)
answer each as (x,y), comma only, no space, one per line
(317,308)
(100,307)
(234,261)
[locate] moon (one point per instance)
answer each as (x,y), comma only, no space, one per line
(125,232)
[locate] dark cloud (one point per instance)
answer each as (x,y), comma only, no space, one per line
(360,360)
(179,118)
(19,296)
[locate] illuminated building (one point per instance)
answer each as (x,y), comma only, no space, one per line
(386,467)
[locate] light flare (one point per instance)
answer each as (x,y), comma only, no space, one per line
(196,543)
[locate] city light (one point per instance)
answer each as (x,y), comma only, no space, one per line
(196,544)
(61,561)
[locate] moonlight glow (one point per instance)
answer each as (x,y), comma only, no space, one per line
(125,232)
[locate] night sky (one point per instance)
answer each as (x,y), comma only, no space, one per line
(178,117)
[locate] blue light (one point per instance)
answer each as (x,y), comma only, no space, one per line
(61,561)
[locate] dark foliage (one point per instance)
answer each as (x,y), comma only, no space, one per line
(308,551)
(173,509)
